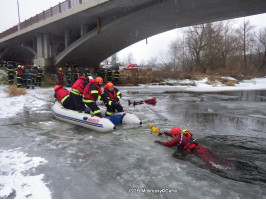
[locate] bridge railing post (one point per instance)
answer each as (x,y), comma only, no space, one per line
(80,1)
(59,5)
(69,4)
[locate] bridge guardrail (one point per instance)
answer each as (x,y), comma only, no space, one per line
(55,10)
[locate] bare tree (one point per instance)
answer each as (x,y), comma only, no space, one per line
(260,50)
(196,43)
(229,44)
(211,57)
(246,39)
(152,62)
(114,59)
(173,53)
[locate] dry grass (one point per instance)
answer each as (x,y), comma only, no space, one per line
(188,84)
(135,77)
(12,91)
(179,75)
(214,80)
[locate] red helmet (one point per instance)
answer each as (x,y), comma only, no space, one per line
(109,85)
(175,130)
(99,80)
(154,98)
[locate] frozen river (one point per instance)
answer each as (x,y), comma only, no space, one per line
(41,157)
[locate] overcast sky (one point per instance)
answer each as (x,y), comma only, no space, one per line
(157,45)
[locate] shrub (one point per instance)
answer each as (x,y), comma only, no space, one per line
(12,90)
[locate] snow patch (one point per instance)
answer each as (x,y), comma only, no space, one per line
(15,179)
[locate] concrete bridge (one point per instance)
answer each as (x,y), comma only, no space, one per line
(88,31)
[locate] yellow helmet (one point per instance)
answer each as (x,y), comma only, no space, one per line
(60,69)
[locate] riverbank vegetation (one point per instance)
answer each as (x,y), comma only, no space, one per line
(13,90)
(214,49)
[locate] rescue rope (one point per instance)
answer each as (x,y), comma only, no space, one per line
(144,120)
(136,115)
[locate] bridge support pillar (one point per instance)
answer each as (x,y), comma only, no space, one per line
(67,38)
(44,50)
(84,29)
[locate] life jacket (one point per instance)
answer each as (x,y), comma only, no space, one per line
(19,73)
(112,96)
(87,92)
(61,93)
(61,74)
(191,143)
(78,85)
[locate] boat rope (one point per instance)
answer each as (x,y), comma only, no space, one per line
(144,120)
(136,115)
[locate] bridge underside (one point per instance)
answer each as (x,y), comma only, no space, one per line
(18,54)
(75,39)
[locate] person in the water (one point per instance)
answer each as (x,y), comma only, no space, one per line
(183,140)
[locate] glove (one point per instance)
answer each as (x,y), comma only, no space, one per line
(154,129)
(158,141)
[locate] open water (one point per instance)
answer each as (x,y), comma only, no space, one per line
(54,159)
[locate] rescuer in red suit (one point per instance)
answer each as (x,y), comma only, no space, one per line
(183,140)
(76,93)
(91,94)
(63,96)
(151,101)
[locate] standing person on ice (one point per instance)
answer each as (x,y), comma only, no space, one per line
(183,140)
(91,94)
(111,97)
(61,76)
(31,78)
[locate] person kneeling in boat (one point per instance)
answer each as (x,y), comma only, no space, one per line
(63,96)
(184,141)
(76,94)
(91,94)
(111,97)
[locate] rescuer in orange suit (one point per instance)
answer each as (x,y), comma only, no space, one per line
(183,140)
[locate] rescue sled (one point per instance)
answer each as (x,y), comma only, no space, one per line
(148,101)
(93,122)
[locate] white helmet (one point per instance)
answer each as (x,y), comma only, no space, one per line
(89,77)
